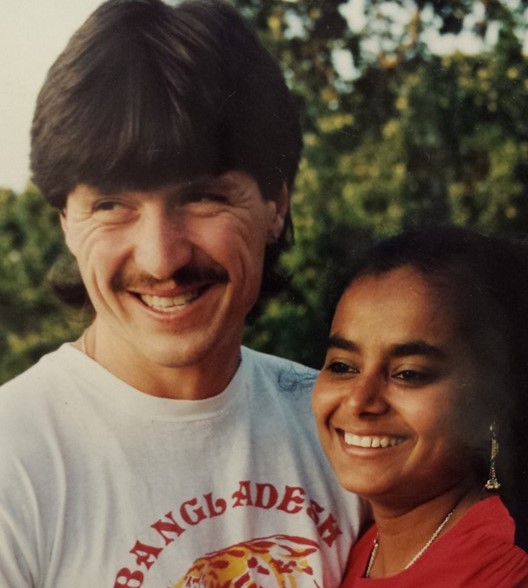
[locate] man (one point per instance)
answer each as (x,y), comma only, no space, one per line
(155,451)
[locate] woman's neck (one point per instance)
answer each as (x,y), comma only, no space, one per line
(404,532)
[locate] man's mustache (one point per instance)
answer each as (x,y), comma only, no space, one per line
(184,276)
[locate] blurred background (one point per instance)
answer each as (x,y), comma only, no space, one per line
(414,112)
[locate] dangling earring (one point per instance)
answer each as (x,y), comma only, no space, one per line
(493,483)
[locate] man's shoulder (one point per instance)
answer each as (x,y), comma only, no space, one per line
(286,375)
(33,386)
(28,404)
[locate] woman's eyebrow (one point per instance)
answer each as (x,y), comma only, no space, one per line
(341,343)
(417,347)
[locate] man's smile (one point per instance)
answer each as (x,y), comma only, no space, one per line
(171,303)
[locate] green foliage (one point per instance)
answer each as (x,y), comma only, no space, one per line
(404,138)
(32,321)
(414,139)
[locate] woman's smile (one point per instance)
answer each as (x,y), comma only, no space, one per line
(388,401)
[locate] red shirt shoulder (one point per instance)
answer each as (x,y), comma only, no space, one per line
(477,552)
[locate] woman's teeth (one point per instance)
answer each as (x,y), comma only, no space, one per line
(371,440)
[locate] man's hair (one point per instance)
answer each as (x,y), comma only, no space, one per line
(485,279)
(146,94)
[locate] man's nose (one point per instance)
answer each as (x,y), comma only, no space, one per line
(162,244)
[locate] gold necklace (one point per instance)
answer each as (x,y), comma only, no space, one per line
(418,555)
(84,348)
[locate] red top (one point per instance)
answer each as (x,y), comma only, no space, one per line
(476,552)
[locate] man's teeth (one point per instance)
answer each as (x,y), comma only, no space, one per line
(371,440)
(169,303)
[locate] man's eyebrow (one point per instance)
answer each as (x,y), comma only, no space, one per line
(208,183)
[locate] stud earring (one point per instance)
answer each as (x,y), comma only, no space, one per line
(271,238)
(493,483)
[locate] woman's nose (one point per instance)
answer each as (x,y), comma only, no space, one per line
(367,395)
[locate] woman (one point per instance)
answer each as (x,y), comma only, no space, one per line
(425,379)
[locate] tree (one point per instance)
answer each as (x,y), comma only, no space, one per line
(411,138)
(32,321)
(400,137)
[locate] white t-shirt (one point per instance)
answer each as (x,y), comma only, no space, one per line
(103,486)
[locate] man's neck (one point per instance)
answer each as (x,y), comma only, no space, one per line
(203,378)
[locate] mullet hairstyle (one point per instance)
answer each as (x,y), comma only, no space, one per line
(146,94)
(485,278)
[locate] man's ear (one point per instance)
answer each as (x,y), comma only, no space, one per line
(281,206)
(63,220)
(65,228)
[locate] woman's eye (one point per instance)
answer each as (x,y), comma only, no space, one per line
(414,376)
(339,367)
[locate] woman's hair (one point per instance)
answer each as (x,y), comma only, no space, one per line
(486,280)
(146,94)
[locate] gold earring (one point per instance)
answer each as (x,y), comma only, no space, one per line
(493,483)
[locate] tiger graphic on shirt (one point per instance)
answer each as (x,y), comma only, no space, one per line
(279,560)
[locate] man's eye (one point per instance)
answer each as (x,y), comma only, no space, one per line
(106,205)
(207,197)
(112,211)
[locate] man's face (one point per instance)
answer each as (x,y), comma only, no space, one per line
(173,272)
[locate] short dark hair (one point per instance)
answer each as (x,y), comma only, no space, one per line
(486,278)
(146,94)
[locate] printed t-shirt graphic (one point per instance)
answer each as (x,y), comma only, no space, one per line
(280,560)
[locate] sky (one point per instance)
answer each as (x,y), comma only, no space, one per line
(32,34)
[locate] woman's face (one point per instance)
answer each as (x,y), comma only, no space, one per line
(393,400)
